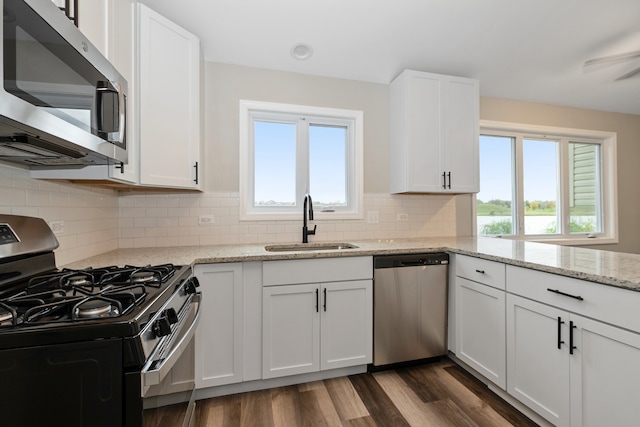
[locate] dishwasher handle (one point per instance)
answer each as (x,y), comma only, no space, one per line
(426,259)
(413,263)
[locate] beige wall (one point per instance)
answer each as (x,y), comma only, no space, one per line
(627,127)
(227,84)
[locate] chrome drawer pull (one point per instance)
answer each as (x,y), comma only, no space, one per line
(556,291)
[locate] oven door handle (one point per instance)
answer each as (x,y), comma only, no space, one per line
(158,367)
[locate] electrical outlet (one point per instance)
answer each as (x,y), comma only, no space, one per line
(403,217)
(57,227)
(372,217)
(205,219)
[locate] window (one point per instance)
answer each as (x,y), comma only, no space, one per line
(287,151)
(542,183)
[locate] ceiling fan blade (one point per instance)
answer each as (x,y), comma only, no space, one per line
(613,58)
(629,74)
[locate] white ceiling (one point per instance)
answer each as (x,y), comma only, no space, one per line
(531,50)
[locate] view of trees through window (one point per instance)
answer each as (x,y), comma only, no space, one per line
(539,181)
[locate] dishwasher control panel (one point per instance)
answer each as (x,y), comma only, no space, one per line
(411,260)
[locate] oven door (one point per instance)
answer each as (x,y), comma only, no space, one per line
(167,379)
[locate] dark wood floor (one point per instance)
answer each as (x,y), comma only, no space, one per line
(435,394)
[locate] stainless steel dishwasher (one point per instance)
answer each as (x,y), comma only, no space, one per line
(409,307)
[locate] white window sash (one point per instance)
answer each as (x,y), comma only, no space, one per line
(288,113)
(607,185)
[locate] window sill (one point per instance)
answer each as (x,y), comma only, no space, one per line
(297,216)
(564,241)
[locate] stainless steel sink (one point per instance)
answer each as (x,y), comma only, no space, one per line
(309,247)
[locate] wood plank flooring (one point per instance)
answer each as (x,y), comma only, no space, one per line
(435,394)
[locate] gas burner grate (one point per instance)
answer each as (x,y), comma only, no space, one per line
(78,295)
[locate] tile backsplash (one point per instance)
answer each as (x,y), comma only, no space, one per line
(87,216)
(172,220)
(94,220)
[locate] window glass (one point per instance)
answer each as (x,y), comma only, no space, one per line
(495,204)
(547,184)
(328,165)
(584,188)
(275,164)
(540,186)
(289,150)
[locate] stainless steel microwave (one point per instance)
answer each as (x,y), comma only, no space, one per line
(62,104)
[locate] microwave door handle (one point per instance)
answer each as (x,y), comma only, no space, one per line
(122,113)
(122,101)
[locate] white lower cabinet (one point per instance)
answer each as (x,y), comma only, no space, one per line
(346,324)
(291,330)
(605,374)
(480,329)
(312,327)
(480,316)
(571,370)
(219,337)
(537,370)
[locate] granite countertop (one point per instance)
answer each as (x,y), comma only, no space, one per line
(609,268)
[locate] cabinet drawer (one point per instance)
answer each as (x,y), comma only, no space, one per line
(490,273)
(616,306)
(318,270)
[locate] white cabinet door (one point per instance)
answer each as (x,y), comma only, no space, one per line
(605,374)
(462,135)
(346,324)
(416,153)
(538,358)
(93,21)
(219,337)
(291,330)
(434,133)
(480,329)
(169,102)
(122,52)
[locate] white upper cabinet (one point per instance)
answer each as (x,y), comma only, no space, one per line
(93,21)
(434,133)
(122,52)
(169,103)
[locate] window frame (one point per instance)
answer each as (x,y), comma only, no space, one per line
(608,178)
(251,111)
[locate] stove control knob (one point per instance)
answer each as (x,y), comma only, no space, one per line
(191,285)
(171,315)
(162,327)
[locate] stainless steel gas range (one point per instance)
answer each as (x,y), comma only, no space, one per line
(82,347)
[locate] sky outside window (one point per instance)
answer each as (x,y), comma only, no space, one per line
(275,163)
(495,213)
(327,164)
